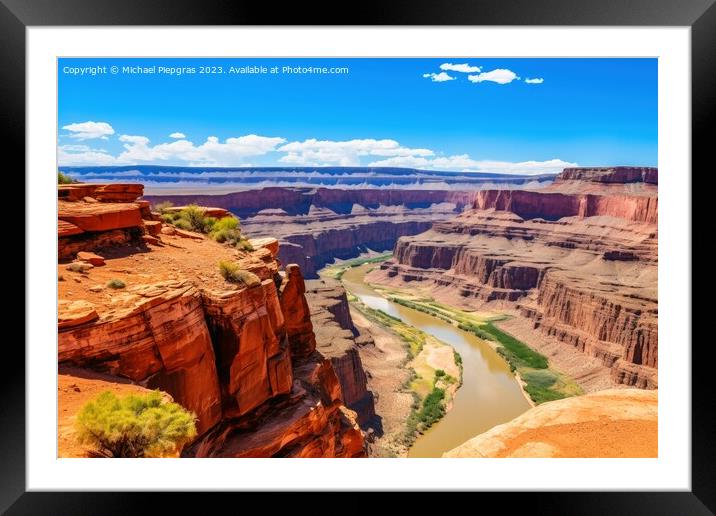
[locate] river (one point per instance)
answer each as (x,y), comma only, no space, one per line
(489,395)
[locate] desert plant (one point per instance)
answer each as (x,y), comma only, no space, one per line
(194,216)
(115,284)
(63,179)
(226,230)
(232,273)
(134,426)
(244,245)
(162,206)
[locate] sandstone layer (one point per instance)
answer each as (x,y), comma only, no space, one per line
(317,225)
(582,267)
(241,358)
(621,423)
(340,341)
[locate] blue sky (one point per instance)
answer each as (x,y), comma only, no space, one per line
(491,115)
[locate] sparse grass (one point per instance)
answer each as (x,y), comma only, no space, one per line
(115,284)
(232,273)
(134,426)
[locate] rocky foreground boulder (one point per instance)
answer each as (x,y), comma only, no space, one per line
(615,423)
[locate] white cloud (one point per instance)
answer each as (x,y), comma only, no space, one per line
(89,130)
(464,68)
(464,163)
(538,80)
(86,156)
(347,153)
(139,140)
(230,152)
(177,135)
(439,77)
(499,75)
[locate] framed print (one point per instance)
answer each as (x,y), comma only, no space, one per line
(425,251)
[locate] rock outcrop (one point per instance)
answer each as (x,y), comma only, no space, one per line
(581,267)
(315,226)
(340,341)
(242,358)
(618,423)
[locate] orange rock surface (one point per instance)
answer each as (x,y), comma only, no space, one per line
(221,350)
(617,423)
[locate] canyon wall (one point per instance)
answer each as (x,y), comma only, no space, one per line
(317,225)
(242,358)
(582,267)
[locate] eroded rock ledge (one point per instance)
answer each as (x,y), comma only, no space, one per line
(243,359)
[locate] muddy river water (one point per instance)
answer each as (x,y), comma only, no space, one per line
(489,395)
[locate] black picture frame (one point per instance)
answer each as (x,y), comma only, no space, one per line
(700,15)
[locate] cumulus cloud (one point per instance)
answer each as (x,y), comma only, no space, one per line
(89,130)
(537,80)
(177,135)
(499,75)
(439,77)
(464,68)
(347,153)
(213,152)
(83,155)
(464,163)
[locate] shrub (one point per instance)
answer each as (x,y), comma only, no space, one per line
(135,426)
(232,273)
(63,179)
(244,245)
(163,206)
(226,230)
(116,284)
(194,216)
(77,267)
(439,373)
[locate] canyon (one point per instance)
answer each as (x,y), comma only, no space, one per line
(287,367)
(577,260)
(317,225)
(243,359)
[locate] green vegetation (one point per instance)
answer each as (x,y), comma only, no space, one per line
(541,383)
(232,273)
(63,179)
(336,271)
(77,267)
(134,426)
(413,339)
(115,284)
(192,218)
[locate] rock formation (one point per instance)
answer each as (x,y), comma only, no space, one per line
(340,341)
(159,314)
(315,226)
(617,423)
(581,266)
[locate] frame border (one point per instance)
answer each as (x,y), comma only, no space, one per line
(700,15)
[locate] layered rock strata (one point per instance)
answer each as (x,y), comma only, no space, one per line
(581,267)
(340,341)
(241,358)
(317,225)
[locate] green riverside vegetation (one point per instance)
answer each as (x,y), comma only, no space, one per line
(540,382)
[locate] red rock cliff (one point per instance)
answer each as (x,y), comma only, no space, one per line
(241,358)
(582,267)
